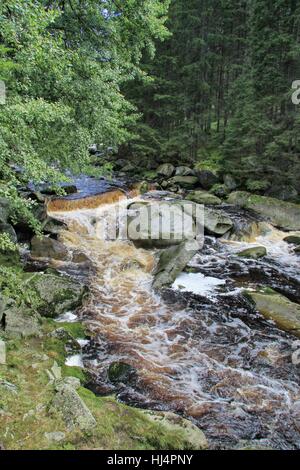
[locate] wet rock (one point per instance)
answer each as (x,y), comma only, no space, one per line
(172,262)
(45,247)
(276,307)
(193,436)
(203,197)
(186,182)
(58,294)
(207,178)
(166,170)
(282,214)
(80,257)
(184,171)
(216,222)
(293,239)
(53,227)
(159,224)
(254,252)
(120,372)
(73,409)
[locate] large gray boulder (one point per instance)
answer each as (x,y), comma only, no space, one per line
(58,294)
(18,321)
(173,261)
(166,170)
(72,408)
(184,171)
(285,215)
(45,247)
(216,222)
(207,178)
(161,224)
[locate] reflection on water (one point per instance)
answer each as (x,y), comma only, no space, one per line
(208,356)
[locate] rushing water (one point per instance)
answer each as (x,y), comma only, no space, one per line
(206,354)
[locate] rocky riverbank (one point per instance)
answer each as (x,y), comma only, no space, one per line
(49,316)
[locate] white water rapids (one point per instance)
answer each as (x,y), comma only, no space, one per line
(234,377)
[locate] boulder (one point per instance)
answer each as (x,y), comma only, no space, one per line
(19,322)
(230,182)
(45,247)
(73,409)
(160,224)
(293,239)
(186,182)
(58,294)
(54,437)
(120,372)
(254,252)
(184,171)
(207,178)
(53,227)
(203,197)
(216,222)
(285,215)
(283,192)
(220,190)
(166,170)
(276,307)
(173,261)
(193,436)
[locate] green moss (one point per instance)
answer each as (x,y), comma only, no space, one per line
(76,329)
(77,372)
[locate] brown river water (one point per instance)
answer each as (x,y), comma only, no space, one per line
(202,351)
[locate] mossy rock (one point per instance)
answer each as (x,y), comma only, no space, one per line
(293,239)
(276,307)
(166,170)
(58,294)
(186,182)
(203,197)
(285,215)
(254,252)
(120,372)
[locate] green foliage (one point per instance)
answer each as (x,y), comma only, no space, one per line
(257,186)
(6,244)
(13,285)
(63,64)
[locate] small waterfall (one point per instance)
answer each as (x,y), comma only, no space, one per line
(211,359)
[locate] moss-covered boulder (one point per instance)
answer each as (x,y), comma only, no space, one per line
(166,170)
(276,307)
(45,247)
(203,197)
(285,215)
(172,262)
(194,437)
(293,239)
(58,294)
(186,182)
(207,178)
(254,252)
(18,321)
